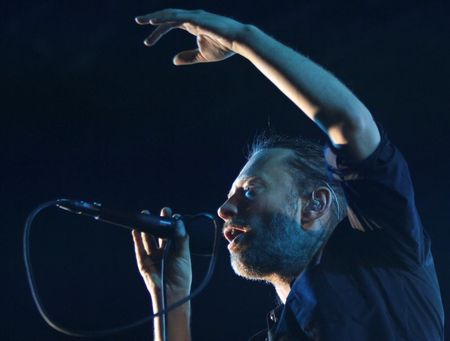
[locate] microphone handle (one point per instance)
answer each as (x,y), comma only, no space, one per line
(162,227)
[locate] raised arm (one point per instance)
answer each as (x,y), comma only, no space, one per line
(320,95)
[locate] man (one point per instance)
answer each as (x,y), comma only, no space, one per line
(284,218)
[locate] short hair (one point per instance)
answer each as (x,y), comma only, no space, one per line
(307,166)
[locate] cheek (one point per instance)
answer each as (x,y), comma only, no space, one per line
(268,204)
(263,210)
(264,221)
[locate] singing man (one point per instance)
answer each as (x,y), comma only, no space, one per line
(335,231)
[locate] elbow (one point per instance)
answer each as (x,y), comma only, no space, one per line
(356,121)
(350,124)
(357,133)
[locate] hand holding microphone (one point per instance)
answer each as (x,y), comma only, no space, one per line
(160,242)
(149,251)
(178,274)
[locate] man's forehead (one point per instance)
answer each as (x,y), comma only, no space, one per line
(264,163)
(266,157)
(265,167)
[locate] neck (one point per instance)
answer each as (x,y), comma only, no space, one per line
(282,286)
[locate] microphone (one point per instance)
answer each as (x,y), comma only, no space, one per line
(162,227)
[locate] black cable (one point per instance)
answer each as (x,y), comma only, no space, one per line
(105,332)
(164,317)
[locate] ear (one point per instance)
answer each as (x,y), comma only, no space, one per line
(315,207)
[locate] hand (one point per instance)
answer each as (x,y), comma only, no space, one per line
(178,272)
(216,35)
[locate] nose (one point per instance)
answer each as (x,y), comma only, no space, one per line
(227,210)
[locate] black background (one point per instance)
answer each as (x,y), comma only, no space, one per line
(88,112)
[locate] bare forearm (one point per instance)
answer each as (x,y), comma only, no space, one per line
(307,84)
(178,322)
(319,94)
(149,254)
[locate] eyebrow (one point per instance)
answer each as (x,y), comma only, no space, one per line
(246,179)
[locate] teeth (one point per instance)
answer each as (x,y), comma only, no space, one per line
(233,232)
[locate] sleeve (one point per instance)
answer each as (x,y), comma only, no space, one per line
(380,201)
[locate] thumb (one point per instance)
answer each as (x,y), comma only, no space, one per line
(187,57)
(181,239)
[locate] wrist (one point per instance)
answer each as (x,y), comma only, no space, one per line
(247,36)
(172,298)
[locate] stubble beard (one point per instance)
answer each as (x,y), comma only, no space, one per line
(274,250)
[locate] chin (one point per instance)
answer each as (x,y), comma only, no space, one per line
(258,266)
(246,270)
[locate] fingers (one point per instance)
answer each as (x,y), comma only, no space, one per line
(149,241)
(180,230)
(181,239)
(147,247)
(162,20)
(139,248)
(145,264)
(165,212)
(159,32)
(166,15)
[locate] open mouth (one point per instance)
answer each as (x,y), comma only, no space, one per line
(233,234)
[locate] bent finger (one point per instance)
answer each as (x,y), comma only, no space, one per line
(162,243)
(159,32)
(139,248)
(149,241)
(181,239)
(165,212)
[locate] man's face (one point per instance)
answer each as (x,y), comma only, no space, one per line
(262,218)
